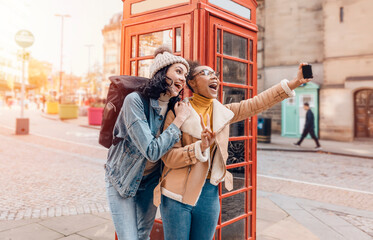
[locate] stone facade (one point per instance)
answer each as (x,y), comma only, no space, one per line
(290,32)
(348,64)
(332,36)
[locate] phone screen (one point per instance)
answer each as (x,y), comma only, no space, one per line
(307,71)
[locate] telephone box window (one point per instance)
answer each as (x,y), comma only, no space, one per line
(133,46)
(178,39)
(232,95)
(218,41)
(235,230)
(228,204)
(251,75)
(144,66)
(133,68)
(148,43)
(234,45)
(251,50)
(234,71)
(233,7)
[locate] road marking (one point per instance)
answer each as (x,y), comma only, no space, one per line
(83,134)
(59,139)
(315,184)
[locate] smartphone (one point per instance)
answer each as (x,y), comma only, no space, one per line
(307,71)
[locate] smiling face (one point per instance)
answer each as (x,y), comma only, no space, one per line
(176,74)
(205,85)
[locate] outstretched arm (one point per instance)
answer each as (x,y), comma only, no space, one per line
(268,98)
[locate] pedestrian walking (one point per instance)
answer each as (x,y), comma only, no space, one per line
(132,168)
(188,190)
(309,127)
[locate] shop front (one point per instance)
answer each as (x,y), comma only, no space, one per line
(223,35)
(293,114)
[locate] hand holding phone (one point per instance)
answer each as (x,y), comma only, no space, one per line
(307,71)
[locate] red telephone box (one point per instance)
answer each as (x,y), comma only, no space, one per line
(223,35)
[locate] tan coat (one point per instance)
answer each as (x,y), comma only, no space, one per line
(184,174)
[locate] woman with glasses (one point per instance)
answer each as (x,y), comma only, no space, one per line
(188,189)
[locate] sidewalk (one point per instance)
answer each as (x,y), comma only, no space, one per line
(279,217)
(358,148)
(285,217)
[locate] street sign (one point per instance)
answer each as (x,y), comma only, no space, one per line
(24,38)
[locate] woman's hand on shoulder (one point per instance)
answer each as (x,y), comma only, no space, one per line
(299,80)
(182,111)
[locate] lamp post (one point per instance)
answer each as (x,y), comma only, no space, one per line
(89,64)
(24,39)
(63,16)
(89,57)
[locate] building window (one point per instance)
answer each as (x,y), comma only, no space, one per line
(110,58)
(341,14)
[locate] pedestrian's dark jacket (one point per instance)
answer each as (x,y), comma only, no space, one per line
(310,120)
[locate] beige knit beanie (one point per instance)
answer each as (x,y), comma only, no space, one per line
(163,58)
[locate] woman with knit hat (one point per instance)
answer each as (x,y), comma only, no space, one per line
(133,166)
(197,163)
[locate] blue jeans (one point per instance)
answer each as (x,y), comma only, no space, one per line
(133,217)
(184,222)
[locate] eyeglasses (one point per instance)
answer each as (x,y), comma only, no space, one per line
(207,72)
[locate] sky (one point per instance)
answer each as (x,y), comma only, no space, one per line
(88,18)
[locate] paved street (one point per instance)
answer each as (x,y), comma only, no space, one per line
(62,130)
(338,177)
(57,171)
(50,175)
(336,180)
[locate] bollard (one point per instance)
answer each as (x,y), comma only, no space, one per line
(22,126)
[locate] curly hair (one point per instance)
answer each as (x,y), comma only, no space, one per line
(192,66)
(156,85)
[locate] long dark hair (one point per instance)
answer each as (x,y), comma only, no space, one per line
(192,68)
(157,84)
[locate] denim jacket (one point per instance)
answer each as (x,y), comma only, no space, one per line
(126,160)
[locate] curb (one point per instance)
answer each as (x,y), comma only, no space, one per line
(48,116)
(314,151)
(90,126)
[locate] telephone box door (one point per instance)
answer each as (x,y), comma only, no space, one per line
(233,55)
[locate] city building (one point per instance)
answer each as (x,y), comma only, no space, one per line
(346,98)
(14,16)
(112,40)
(332,36)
